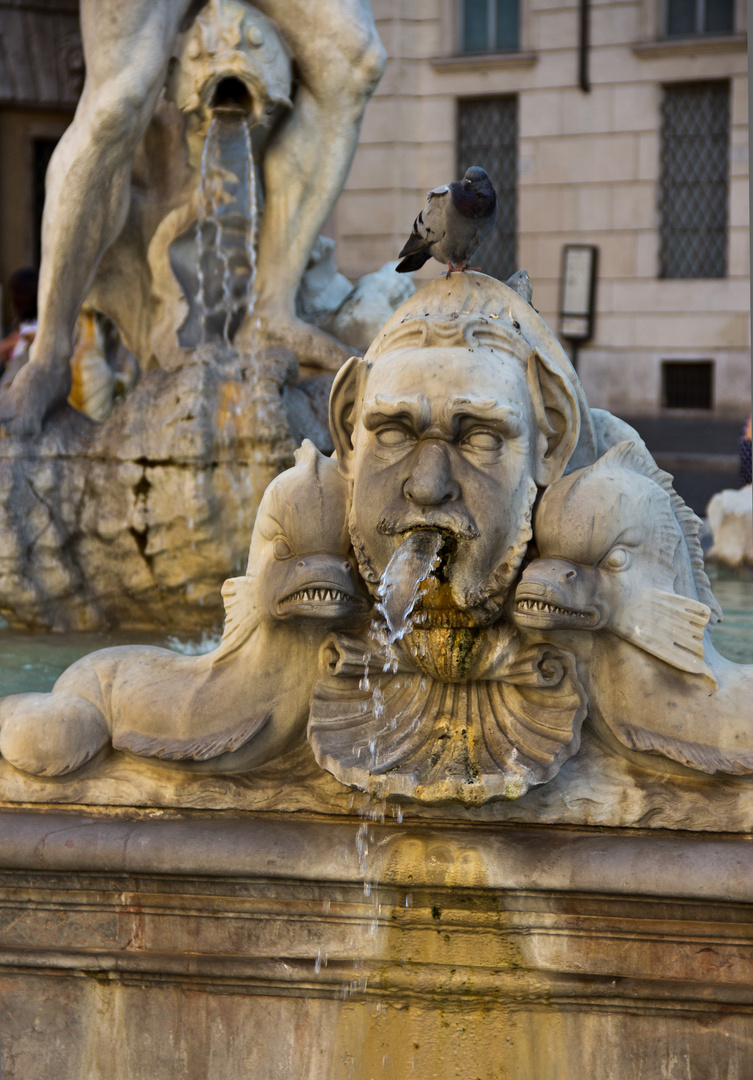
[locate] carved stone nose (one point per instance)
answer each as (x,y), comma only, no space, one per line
(431,482)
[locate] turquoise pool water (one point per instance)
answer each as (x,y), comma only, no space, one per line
(34,661)
(733,636)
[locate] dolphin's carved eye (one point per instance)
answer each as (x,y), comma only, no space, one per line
(282,549)
(617,559)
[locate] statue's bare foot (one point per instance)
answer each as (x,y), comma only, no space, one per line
(313,347)
(35,390)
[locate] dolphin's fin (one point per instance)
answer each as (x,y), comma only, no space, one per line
(708,759)
(241,615)
(192,748)
(669,627)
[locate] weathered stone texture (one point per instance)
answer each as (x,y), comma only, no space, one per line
(224,948)
(137,522)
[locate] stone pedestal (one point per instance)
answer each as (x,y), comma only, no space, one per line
(136,522)
(222,945)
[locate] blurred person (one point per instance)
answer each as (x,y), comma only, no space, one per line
(14,348)
(745,464)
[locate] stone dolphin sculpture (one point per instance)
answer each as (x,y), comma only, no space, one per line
(620,579)
(237,707)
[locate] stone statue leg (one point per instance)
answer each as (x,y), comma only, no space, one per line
(340,60)
(127,45)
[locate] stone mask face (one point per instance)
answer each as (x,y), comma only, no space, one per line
(444,439)
(230,40)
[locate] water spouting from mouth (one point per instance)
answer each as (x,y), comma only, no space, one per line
(400,587)
(226,228)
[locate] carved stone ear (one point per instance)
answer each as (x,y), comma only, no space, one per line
(557,415)
(343,399)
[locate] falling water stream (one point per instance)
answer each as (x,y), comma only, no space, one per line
(215,261)
(226,226)
(399,590)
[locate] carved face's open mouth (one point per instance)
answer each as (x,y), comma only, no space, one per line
(414,590)
(545,615)
(231,93)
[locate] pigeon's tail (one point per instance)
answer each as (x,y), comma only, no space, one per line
(414,261)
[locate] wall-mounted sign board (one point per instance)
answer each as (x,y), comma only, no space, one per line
(577,291)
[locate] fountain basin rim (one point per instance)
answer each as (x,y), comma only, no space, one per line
(268,846)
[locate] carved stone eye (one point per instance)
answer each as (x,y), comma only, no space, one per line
(282,549)
(393,436)
(482,439)
(617,559)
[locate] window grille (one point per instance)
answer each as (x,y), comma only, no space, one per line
(693,192)
(688,384)
(41,153)
(489,25)
(488,136)
(686,18)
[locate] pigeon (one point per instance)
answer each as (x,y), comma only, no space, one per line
(456,218)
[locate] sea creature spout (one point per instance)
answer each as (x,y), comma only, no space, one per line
(620,579)
(232,709)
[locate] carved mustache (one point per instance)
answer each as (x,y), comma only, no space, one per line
(456,521)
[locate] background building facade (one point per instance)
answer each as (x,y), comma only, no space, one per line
(614,125)
(41,75)
(618,124)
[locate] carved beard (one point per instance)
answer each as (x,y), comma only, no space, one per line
(490,596)
(365,565)
(485,602)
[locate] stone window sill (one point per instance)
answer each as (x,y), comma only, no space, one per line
(691,46)
(484,61)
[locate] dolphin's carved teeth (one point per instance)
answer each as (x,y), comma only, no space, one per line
(550,609)
(327,596)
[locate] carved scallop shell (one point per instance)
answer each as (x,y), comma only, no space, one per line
(408,734)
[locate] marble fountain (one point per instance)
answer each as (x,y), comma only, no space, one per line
(465,789)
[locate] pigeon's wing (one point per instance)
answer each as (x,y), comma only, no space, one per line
(414,261)
(417,241)
(427,229)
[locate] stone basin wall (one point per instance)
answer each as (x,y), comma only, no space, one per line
(222,946)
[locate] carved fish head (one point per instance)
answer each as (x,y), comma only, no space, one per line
(612,557)
(602,535)
(300,553)
(231,56)
(556,594)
